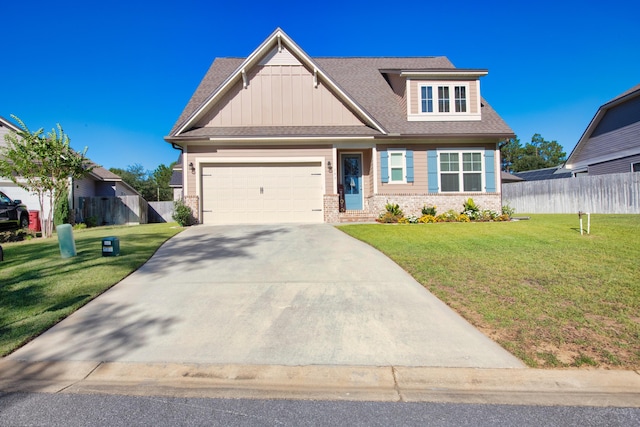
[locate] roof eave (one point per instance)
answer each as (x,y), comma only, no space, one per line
(445,73)
(596,120)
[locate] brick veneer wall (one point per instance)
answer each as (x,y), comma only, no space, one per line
(331,208)
(193,203)
(412,204)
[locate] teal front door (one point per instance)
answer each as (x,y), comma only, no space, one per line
(352,181)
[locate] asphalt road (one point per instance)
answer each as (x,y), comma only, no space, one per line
(40,409)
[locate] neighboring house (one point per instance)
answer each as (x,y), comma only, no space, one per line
(507,178)
(555,172)
(98,183)
(9,187)
(611,142)
(176,179)
(280,136)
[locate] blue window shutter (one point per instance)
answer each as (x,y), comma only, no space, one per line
(490,171)
(409,159)
(384,166)
(432,170)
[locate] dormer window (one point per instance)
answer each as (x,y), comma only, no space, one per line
(443,98)
(443,95)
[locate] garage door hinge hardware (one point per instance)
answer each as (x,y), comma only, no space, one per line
(261,190)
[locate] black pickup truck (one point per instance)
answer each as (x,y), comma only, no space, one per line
(13,214)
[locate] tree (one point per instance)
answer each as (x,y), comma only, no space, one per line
(162,178)
(510,151)
(151,185)
(537,154)
(42,164)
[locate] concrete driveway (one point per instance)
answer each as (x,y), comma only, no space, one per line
(268,295)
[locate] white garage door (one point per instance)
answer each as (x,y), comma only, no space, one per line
(263,193)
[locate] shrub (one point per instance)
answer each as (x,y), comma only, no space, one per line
(91,221)
(392,215)
(448,216)
(429,210)
(17,235)
(471,210)
(182,213)
(80,226)
(508,210)
(394,209)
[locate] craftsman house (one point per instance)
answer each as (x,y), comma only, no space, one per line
(280,136)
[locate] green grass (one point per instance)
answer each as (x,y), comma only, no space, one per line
(549,295)
(38,288)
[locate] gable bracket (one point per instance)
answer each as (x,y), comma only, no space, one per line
(245,81)
(279,43)
(315,77)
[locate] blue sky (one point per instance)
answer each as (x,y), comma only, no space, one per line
(117,74)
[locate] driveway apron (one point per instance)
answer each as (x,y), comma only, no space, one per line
(268,295)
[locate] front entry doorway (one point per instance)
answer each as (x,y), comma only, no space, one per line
(352,181)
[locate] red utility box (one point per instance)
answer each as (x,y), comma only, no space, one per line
(34,221)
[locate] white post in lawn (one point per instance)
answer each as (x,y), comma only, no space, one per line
(580,213)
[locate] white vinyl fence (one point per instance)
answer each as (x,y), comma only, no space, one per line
(614,193)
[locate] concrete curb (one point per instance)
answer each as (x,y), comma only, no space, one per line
(388,383)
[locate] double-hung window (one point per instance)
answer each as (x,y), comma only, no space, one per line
(397,167)
(437,99)
(460,171)
(426,99)
(461,99)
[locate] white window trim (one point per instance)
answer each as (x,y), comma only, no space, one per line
(403,152)
(435,86)
(436,115)
(634,163)
(482,171)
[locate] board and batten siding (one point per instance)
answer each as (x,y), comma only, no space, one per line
(600,194)
(279,95)
(269,152)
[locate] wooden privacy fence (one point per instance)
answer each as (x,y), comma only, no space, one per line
(113,210)
(606,194)
(160,211)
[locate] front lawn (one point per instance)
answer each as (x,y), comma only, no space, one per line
(38,288)
(551,296)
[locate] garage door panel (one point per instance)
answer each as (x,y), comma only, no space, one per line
(262,193)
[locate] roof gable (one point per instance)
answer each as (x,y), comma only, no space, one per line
(622,111)
(272,50)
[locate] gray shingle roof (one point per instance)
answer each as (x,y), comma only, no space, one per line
(362,79)
(176,179)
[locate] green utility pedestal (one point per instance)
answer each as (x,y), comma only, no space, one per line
(110,246)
